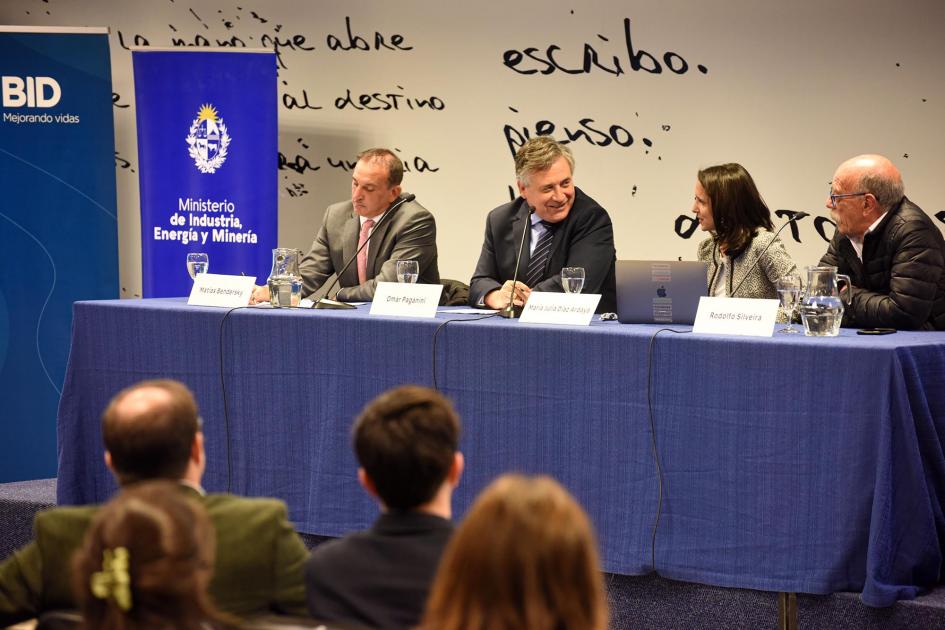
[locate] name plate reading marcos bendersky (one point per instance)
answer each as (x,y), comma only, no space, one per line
(572,309)
(406,300)
(214,289)
(736,316)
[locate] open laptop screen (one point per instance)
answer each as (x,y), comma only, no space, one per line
(659,291)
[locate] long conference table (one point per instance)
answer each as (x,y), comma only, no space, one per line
(787,463)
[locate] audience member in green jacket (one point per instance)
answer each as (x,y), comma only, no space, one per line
(151,430)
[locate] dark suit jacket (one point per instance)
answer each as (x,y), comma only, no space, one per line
(381,577)
(585,239)
(258,568)
(409,234)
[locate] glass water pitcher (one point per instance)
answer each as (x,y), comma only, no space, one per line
(285,282)
(823,305)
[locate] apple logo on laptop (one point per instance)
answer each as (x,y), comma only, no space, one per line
(661,291)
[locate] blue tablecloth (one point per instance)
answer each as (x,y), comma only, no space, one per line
(788,463)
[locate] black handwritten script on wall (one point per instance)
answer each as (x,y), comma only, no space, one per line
(605,55)
(239,27)
(302,163)
(122,163)
(270,36)
(686,224)
(586,130)
(552,59)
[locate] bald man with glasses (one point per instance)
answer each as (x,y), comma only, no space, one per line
(892,250)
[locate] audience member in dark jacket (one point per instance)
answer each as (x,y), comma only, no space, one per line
(406,442)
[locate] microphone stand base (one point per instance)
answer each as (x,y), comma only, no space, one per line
(326,303)
(511,312)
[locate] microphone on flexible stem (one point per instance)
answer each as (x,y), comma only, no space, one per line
(511,311)
(327,303)
(797,217)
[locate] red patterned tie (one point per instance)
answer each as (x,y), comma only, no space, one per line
(362,255)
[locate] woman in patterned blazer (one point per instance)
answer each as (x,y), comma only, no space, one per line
(745,258)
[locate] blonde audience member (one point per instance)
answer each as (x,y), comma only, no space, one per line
(146,562)
(524,558)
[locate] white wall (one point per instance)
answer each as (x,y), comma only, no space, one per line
(791,89)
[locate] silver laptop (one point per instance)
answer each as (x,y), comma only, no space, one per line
(659,291)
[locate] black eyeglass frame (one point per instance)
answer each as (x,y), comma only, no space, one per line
(834,197)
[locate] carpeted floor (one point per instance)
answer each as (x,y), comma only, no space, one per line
(638,602)
(19,502)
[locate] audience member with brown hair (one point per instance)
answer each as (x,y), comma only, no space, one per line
(152,430)
(146,562)
(524,558)
(406,441)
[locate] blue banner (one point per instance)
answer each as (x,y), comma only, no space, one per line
(58,228)
(208,160)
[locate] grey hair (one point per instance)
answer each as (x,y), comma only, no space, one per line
(538,154)
(888,190)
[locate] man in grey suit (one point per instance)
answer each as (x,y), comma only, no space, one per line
(408,234)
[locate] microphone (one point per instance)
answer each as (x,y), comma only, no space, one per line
(511,311)
(327,303)
(798,216)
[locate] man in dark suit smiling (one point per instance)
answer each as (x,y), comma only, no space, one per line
(566,228)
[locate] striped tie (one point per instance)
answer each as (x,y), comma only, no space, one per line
(539,260)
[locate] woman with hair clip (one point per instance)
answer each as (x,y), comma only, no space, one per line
(745,258)
(146,562)
(524,558)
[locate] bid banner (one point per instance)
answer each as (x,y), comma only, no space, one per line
(58,227)
(208,160)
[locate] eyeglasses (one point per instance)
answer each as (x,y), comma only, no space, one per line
(833,197)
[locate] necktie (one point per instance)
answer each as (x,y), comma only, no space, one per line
(362,255)
(539,260)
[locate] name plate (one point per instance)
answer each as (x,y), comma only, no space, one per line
(736,316)
(406,300)
(572,309)
(214,289)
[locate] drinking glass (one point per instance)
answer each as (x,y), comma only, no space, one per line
(197,262)
(789,291)
(408,271)
(572,279)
